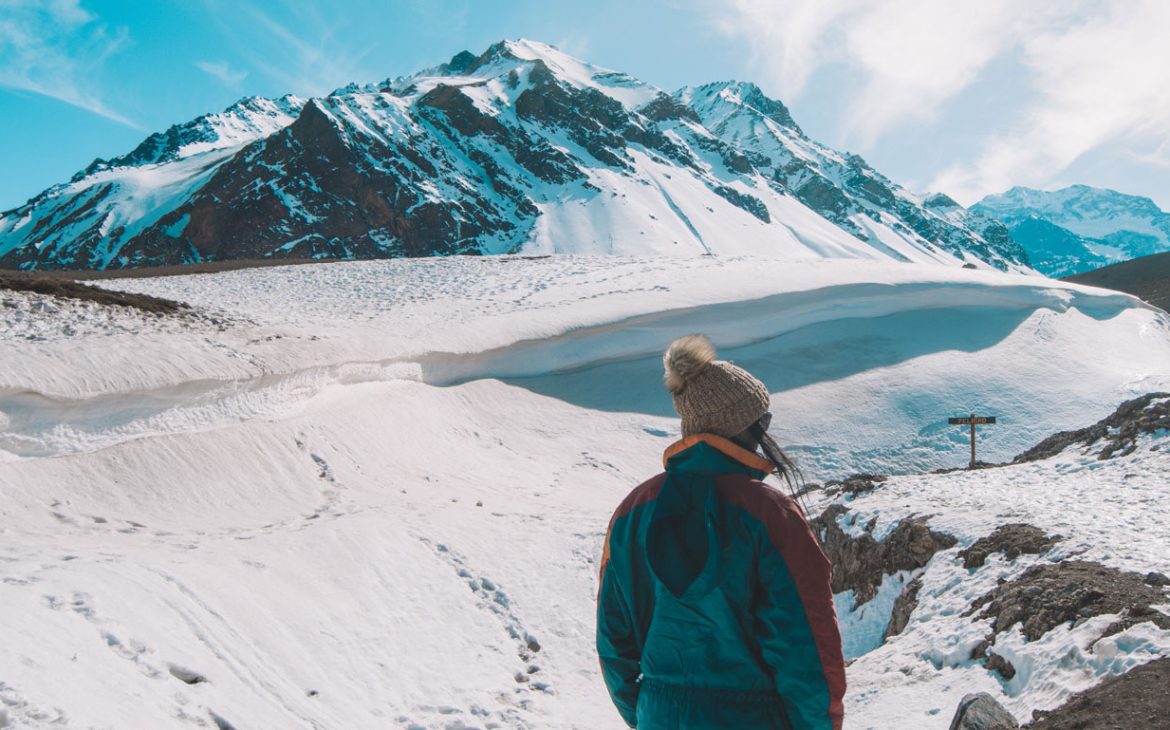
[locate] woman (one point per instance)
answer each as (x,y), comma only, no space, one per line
(714,608)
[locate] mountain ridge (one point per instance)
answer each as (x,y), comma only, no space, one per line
(521,148)
(1079,228)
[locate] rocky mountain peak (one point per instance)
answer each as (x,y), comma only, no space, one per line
(239,123)
(520,147)
(725,98)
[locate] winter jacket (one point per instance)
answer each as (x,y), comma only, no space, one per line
(714,608)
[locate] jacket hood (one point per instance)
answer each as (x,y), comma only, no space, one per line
(685,534)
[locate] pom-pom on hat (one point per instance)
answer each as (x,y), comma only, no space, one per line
(711,396)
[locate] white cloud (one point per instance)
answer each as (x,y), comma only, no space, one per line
(223,71)
(301,51)
(1103,82)
(1099,71)
(919,54)
(56,49)
(912,55)
(789,41)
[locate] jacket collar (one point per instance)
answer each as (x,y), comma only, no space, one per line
(708,453)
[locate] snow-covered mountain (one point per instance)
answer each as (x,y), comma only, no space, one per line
(520,148)
(1079,228)
(373,494)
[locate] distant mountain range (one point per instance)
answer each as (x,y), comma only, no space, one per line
(521,148)
(1079,228)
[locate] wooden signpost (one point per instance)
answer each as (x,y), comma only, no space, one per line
(973,420)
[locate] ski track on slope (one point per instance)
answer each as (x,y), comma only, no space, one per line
(683,217)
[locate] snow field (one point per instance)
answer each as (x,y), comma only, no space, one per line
(340,552)
(330,507)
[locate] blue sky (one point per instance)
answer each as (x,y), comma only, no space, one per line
(963,97)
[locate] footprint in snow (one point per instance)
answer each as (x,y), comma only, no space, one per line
(492,598)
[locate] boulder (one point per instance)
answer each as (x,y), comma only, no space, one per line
(981,712)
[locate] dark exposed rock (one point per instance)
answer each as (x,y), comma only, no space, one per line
(825,198)
(979,651)
(164,146)
(861,563)
(1157,579)
(750,203)
(1116,434)
(982,712)
(1001,666)
(591,119)
(904,607)
(980,464)
(855,485)
(368,211)
(869,185)
(536,156)
(732,158)
(1136,699)
(940,200)
(466,62)
(220,722)
(185,675)
(1046,596)
(461,62)
(665,107)
(1012,540)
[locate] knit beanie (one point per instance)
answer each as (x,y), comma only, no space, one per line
(711,396)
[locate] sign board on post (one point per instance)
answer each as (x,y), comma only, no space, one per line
(972,421)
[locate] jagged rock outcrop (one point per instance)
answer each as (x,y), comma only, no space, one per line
(1013,539)
(861,563)
(1048,595)
(855,485)
(904,607)
(1115,435)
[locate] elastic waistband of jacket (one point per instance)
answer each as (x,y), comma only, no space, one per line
(722,694)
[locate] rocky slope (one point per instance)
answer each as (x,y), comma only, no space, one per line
(1045,616)
(1147,278)
(1079,228)
(520,148)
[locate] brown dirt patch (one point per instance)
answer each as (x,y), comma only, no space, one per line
(146,272)
(60,287)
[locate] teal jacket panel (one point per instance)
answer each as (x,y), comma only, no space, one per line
(714,607)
